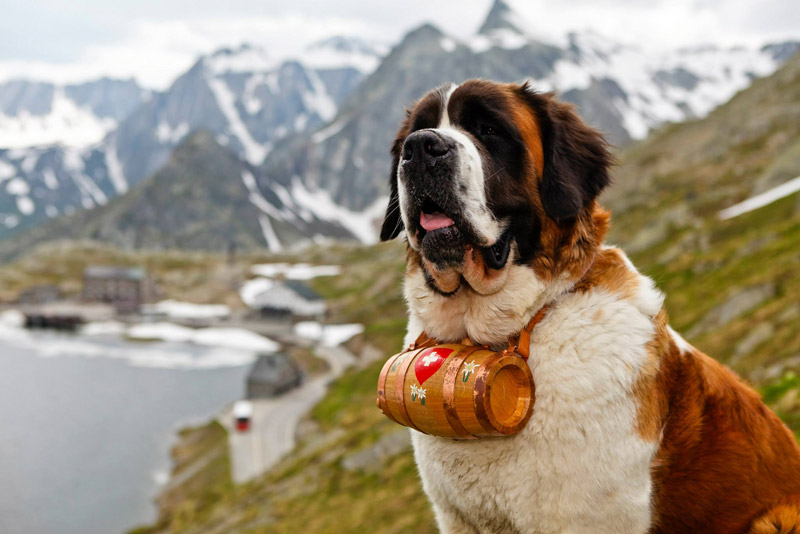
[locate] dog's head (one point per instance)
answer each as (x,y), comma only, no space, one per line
(487,177)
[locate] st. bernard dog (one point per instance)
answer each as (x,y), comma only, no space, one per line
(633,429)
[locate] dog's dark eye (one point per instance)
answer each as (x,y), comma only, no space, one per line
(487,130)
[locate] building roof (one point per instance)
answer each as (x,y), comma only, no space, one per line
(303,290)
(117,273)
(277,368)
(296,297)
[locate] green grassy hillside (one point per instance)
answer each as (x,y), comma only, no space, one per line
(733,287)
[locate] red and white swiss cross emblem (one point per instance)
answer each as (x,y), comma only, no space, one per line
(429,361)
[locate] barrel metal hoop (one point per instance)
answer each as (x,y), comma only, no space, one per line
(449,388)
(481,392)
(383,404)
(400,385)
(493,421)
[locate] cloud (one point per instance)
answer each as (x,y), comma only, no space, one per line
(155,52)
(660,24)
(158,40)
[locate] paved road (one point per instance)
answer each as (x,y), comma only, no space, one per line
(274,422)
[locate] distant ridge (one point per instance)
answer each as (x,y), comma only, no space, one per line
(314,132)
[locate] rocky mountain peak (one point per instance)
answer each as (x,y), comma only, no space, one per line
(422,33)
(348,44)
(500,17)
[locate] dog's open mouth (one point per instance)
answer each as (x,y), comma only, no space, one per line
(445,244)
(432,217)
(442,241)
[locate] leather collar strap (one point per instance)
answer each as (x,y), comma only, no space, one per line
(522,344)
(519,344)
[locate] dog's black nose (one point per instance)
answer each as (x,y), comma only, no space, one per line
(425,146)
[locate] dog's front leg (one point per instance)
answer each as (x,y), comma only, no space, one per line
(450,521)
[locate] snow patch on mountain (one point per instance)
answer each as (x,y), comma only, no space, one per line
(506,38)
(660,87)
(245,59)
(254,151)
(337,52)
(244,80)
(256,197)
(115,172)
(319,202)
(66,123)
(17,187)
(318,100)
(759,201)
(270,236)
(25,205)
(9,221)
(329,131)
(168,134)
(340,52)
(447,44)
(6,171)
(29,160)
(50,180)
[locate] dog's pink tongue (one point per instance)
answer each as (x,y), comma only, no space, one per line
(434,221)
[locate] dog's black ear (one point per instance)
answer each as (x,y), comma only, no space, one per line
(576,158)
(392,222)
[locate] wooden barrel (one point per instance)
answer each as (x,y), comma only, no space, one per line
(457,391)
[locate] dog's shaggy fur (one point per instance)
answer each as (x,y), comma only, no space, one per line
(633,429)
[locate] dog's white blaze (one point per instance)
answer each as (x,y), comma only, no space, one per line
(579,466)
(444,122)
(470,174)
(473,200)
(405,207)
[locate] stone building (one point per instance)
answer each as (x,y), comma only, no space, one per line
(126,288)
(41,294)
(271,375)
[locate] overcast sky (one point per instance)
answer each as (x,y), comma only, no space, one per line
(155,40)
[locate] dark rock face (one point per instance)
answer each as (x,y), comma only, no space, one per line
(201,199)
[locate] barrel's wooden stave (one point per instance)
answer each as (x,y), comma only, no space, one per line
(472,392)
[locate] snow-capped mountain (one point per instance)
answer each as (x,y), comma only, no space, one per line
(639,88)
(245,97)
(204,197)
(622,89)
(50,161)
(77,115)
(313,132)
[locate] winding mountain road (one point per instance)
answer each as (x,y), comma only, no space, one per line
(274,421)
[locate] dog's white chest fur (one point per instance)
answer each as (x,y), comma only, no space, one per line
(579,466)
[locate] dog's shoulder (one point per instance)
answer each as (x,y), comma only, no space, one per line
(612,272)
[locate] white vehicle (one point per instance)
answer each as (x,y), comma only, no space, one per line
(242,415)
